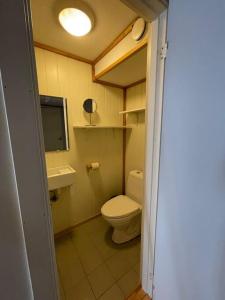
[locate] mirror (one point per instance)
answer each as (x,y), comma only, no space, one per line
(90,106)
(54,123)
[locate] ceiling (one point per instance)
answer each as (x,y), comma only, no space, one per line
(111,18)
(129,71)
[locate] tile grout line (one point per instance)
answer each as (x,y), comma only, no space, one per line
(117,280)
(87,274)
(91,288)
(103,263)
(78,257)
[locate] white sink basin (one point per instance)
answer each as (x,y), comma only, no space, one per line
(60,177)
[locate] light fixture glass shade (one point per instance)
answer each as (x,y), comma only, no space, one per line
(75,21)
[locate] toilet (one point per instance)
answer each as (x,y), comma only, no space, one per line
(123,212)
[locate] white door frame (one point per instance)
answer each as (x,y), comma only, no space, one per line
(154,89)
(19,80)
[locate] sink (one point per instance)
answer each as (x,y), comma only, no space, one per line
(60,177)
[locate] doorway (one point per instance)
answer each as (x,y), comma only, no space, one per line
(106,145)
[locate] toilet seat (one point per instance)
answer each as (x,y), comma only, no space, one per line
(120,206)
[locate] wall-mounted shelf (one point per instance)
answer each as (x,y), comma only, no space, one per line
(100,127)
(132,110)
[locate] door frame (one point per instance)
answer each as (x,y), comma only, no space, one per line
(157,49)
(34,196)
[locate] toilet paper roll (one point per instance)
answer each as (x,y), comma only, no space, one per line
(94,165)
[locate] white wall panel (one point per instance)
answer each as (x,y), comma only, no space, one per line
(135,138)
(61,76)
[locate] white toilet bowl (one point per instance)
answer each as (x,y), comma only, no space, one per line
(123,212)
(124,215)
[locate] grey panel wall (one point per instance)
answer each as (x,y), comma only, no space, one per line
(23,115)
(14,275)
(190,243)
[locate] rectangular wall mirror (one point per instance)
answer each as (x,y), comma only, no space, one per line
(54,122)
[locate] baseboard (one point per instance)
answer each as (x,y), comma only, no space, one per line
(71,228)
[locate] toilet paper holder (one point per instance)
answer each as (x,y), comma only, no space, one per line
(93,166)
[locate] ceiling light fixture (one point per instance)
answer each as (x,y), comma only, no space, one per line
(75,17)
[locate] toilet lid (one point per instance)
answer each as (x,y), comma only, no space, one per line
(120,206)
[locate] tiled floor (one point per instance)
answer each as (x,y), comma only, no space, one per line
(92,267)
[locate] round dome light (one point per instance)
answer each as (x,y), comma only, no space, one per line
(75,21)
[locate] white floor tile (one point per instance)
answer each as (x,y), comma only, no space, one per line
(94,225)
(98,225)
(92,266)
(81,291)
(90,259)
(100,280)
(137,269)
(65,251)
(103,242)
(129,282)
(114,293)
(118,265)
(81,242)
(71,273)
(133,252)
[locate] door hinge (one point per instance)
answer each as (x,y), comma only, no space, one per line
(151,275)
(163,51)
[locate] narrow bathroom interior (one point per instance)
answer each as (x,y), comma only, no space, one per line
(93,102)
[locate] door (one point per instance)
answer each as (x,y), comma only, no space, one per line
(190,234)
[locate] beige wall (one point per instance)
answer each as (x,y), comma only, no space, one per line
(135,138)
(61,76)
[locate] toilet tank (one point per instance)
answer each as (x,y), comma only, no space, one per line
(134,186)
